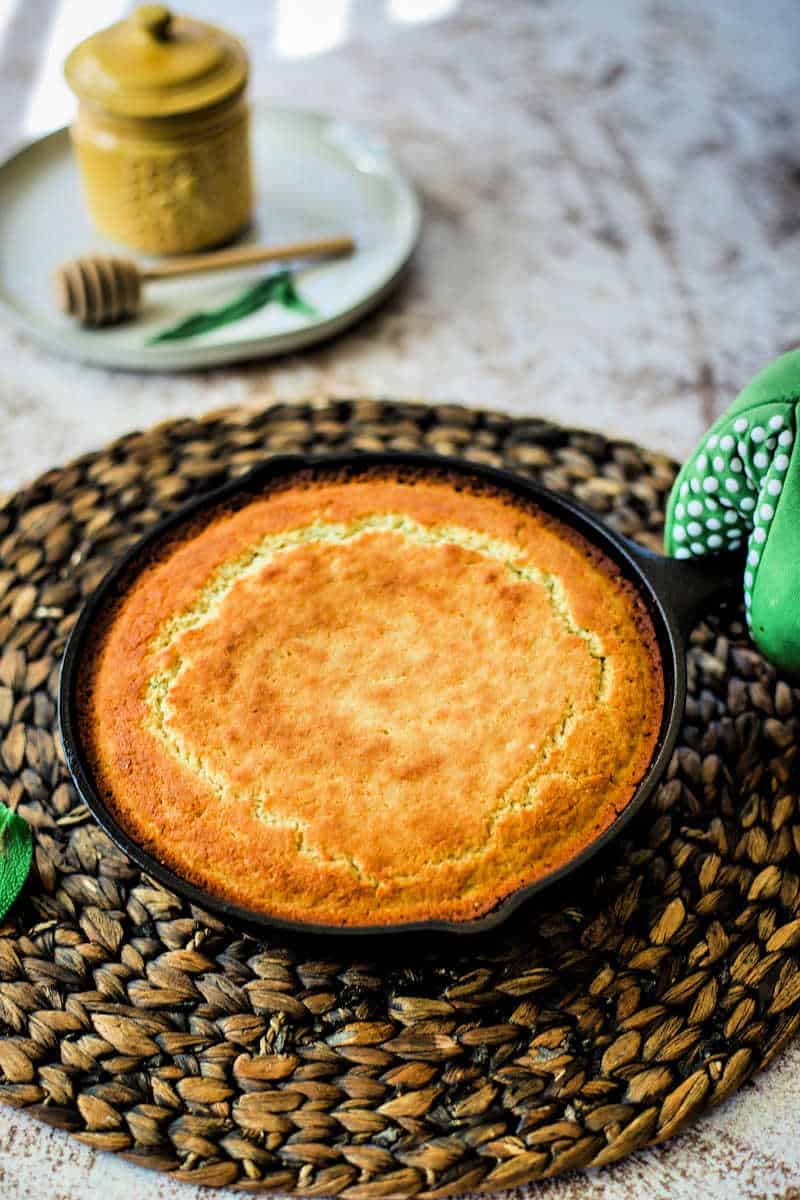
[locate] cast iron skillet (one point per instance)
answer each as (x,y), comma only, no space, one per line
(673,591)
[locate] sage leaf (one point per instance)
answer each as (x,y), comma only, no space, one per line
(278,288)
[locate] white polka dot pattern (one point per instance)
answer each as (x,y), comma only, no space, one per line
(741,482)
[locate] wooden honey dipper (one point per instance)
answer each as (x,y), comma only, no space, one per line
(100,289)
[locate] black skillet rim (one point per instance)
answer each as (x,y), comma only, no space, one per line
(631,559)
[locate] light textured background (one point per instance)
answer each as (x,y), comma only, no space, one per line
(612,239)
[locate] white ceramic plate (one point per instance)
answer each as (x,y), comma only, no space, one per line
(315,176)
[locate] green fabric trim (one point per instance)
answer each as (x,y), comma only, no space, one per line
(777,383)
(16,855)
(775,604)
(742,484)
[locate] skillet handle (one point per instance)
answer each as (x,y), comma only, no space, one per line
(686,585)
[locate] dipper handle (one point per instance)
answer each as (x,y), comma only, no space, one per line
(245,256)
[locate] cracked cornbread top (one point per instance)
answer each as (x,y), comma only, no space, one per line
(371,699)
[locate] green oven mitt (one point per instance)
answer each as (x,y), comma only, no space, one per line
(742,484)
(16,852)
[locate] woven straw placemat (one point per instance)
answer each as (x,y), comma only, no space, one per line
(607,1014)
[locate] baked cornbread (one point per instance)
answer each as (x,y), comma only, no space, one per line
(371,699)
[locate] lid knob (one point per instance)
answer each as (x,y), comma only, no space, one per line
(153,19)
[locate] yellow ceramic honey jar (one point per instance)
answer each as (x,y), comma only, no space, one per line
(161,135)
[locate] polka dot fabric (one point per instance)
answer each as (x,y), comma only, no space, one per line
(741,488)
(728,492)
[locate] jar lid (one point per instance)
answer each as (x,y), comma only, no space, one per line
(156,64)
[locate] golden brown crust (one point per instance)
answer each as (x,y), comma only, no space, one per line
(372,701)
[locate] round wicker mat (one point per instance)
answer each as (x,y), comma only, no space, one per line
(607,1014)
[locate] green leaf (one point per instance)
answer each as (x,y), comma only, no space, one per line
(16,853)
(287,295)
(278,288)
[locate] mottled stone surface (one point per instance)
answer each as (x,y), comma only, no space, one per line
(612,239)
